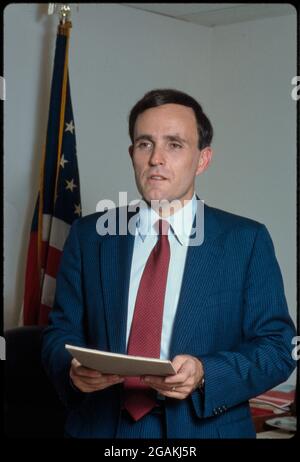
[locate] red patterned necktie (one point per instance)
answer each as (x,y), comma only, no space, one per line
(145,334)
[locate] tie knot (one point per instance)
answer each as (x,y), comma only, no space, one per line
(163,227)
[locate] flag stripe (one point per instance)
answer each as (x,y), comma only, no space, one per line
(40,209)
(53,260)
(46,226)
(59,233)
(32,283)
(55,231)
(48,290)
(43,314)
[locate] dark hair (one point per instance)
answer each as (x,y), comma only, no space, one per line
(159,97)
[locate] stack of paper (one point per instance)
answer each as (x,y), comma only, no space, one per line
(115,363)
(274,401)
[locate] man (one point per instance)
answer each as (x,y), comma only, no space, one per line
(217,309)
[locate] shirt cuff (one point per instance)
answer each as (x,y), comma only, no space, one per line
(201,384)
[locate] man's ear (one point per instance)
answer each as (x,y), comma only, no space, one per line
(130,150)
(204,159)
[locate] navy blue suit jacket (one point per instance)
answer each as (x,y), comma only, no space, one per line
(232,315)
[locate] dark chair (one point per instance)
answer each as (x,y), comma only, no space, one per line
(32,407)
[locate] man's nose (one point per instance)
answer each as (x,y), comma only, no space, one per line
(157,156)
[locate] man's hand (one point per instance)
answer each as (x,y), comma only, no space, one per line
(88,380)
(189,375)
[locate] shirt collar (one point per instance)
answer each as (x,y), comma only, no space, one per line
(181,222)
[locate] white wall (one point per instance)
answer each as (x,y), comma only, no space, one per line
(254,169)
(28,54)
(240,73)
(255,119)
(116,55)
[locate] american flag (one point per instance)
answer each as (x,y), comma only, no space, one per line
(58,203)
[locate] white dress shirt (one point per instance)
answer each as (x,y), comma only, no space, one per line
(145,239)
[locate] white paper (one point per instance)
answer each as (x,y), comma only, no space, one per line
(114,363)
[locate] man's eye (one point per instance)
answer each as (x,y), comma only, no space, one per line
(175,146)
(144,145)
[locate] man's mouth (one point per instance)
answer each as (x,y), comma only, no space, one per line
(157,178)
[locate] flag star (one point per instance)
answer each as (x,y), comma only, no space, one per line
(70,185)
(70,127)
(63,161)
(77,209)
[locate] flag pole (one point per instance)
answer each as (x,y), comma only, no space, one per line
(62,9)
(64,12)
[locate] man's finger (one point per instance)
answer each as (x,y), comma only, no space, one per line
(177,394)
(153,379)
(86,372)
(90,385)
(179,378)
(178,361)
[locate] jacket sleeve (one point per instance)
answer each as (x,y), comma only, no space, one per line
(264,358)
(66,324)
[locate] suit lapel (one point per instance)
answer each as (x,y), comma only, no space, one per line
(115,264)
(199,274)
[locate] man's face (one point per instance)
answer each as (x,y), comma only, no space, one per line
(165,153)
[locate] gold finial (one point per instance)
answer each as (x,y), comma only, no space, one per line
(65,13)
(63,9)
